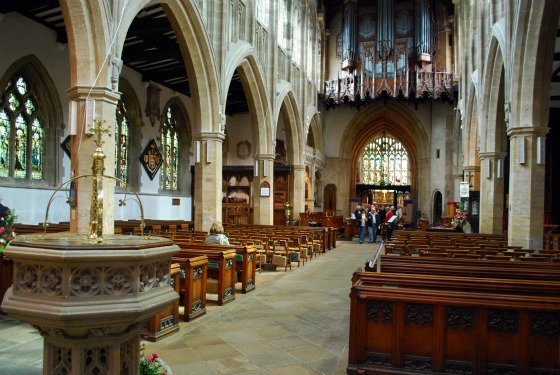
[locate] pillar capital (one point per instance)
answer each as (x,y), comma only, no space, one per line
(527,131)
(95,93)
(492,155)
(209,136)
(269,157)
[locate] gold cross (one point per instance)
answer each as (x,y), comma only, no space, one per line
(98,129)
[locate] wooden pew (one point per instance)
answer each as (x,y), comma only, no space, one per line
(471,268)
(245,264)
(221,275)
(193,285)
(166,321)
(402,324)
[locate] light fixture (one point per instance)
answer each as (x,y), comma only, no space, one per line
(541,150)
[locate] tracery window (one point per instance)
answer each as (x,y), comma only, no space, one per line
(170,147)
(122,142)
(262,11)
(297,37)
(21,132)
(385,162)
(282,19)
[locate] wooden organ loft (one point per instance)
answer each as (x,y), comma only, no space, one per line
(395,49)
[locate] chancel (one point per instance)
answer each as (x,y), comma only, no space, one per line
(279,119)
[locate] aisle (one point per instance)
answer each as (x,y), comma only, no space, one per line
(295,322)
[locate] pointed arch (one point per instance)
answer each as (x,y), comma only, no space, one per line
(252,80)
(292,124)
(533,44)
(49,112)
(399,122)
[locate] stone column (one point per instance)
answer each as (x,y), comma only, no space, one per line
(83,147)
(298,191)
(207,179)
(491,193)
(457,179)
(263,206)
(526,188)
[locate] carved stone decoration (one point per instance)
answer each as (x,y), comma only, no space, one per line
(419,314)
(85,282)
(460,317)
(163,277)
(50,281)
(61,358)
(99,332)
(376,308)
(26,278)
(458,367)
(503,320)
(96,361)
(147,277)
(128,352)
(378,359)
(152,103)
(118,281)
(545,324)
(243,150)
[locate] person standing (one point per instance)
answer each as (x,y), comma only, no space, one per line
(372,222)
(361,220)
(389,214)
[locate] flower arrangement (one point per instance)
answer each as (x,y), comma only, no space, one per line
(461,219)
(152,364)
(7,231)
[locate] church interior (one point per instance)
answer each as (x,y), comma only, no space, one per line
(291,115)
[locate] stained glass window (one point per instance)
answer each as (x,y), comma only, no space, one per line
(170,147)
(22,146)
(121,142)
(385,162)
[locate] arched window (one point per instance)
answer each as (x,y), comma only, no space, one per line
(262,11)
(122,142)
(297,34)
(170,148)
(282,19)
(22,151)
(385,162)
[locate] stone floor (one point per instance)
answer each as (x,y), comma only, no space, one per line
(294,322)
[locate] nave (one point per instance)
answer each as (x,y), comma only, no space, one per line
(294,322)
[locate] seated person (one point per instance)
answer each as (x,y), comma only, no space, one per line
(216,235)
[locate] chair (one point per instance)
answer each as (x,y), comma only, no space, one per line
(281,256)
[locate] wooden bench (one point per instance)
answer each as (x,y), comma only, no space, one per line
(245,261)
(221,275)
(193,285)
(166,321)
(403,324)
(471,268)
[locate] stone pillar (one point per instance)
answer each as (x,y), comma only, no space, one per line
(526,188)
(491,193)
(83,147)
(263,206)
(208,179)
(298,191)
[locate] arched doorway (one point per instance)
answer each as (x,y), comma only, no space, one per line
(437,208)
